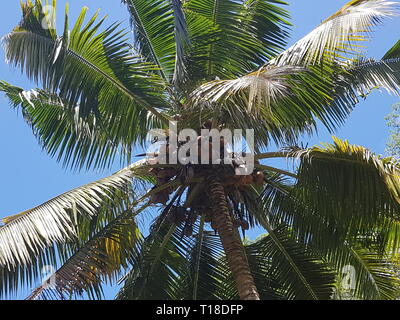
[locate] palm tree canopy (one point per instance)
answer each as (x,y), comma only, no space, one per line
(99,92)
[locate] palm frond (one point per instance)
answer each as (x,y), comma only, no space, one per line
(90,68)
(102,256)
(263,87)
(182,40)
(315,280)
(156,268)
(337,242)
(206,277)
(280,101)
(349,183)
(362,76)
(365,258)
(363,239)
(364,273)
(339,36)
(25,235)
(230,38)
(76,141)
(277,98)
(293,268)
(268,22)
(108,203)
(393,52)
(161,34)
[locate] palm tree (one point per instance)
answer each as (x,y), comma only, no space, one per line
(205,64)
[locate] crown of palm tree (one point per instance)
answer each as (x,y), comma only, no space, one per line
(205,64)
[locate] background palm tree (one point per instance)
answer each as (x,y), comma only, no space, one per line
(205,64)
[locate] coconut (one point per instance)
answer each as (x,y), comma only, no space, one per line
(237,223)
(207,124)
(245,225)
(160,197)
(249,179)
(259,178)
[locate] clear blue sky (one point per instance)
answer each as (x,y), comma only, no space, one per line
(29,177)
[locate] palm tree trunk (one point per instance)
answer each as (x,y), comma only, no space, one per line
(231,242)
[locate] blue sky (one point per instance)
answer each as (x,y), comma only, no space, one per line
(29,177)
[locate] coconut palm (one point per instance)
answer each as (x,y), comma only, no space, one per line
(204,64)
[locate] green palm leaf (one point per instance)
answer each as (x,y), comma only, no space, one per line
(103,255)
(82,142)
(317,279)
(34,232)
(267,21)
(230,38)
(393,53)
(206,277)
(350,182)
(155,273)
(95,70)
(161,35)
(370,274)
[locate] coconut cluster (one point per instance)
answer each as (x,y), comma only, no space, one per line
(232,183)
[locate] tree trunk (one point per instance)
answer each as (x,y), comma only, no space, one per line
(231,242)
